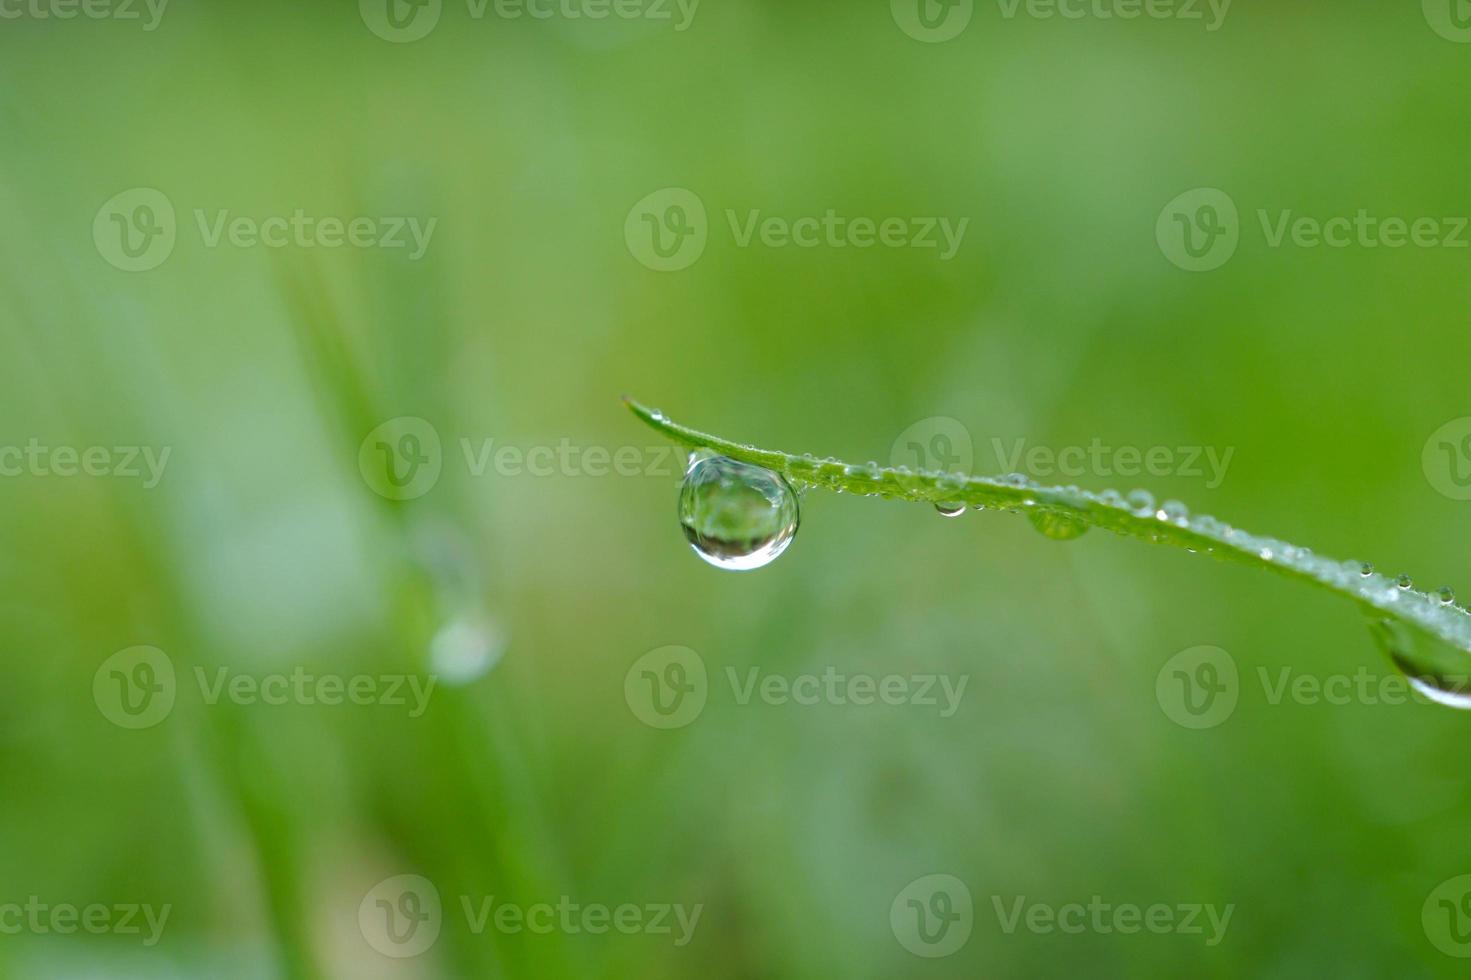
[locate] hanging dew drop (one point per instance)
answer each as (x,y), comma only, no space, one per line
(1056,526)
(736,516)
(1435,670)
(950,509)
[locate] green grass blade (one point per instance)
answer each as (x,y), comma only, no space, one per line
(1377,596)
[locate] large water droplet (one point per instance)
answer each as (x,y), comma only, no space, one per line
(1447,595)
(736,516)
(1058,527)
(1437,670)
(950,508)
(1141,502)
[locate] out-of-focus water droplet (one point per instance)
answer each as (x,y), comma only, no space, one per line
(1173,511)
(1112,498)
(1404,581)
(1434,669)
(1141,502)
(950,509)
(464,649)
(737,516)
(1447,595)
(1058,527)
(1366,569)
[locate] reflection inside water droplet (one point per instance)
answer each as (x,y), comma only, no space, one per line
(1058,527)
(950,509)
(736,516)
(1436,670)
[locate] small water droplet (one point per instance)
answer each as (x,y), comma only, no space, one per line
(1404,581)
(737,516)
(1112,498)
(950,508)
(1447,595)
(1141,502)
(1058,527)
(1173,511)
(1366,569)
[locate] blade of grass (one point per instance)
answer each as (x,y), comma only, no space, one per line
(1377,596)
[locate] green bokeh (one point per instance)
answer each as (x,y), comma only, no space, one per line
(533,574)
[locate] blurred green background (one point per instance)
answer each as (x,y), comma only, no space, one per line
(265,549)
